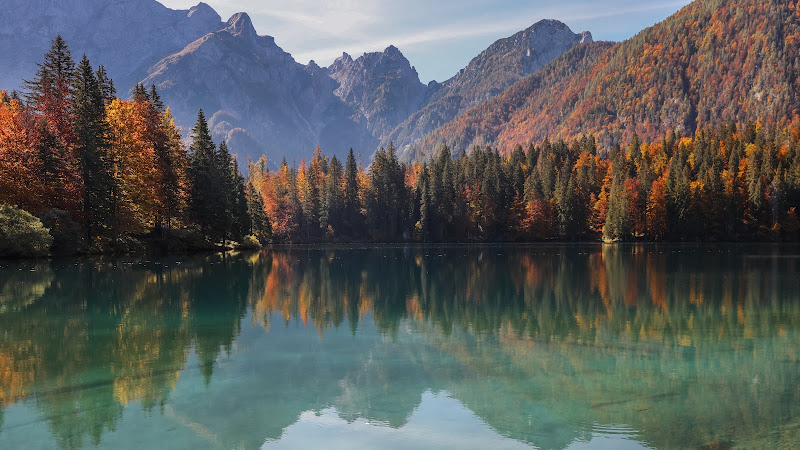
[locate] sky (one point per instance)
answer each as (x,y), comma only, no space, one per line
(439,37)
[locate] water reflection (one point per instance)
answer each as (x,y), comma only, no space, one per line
(546,345)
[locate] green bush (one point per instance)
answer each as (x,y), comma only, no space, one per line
(22,235)
(67,234)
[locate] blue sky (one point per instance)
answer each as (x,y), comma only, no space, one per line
(439,37)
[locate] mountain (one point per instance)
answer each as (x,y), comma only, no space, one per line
(711,63)
(256,95)
(499,66)
(126,36)
(382,86)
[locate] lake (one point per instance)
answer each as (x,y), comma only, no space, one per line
(545,346)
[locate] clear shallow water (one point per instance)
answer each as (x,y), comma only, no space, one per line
(572,346)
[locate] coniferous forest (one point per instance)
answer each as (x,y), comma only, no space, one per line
(97,171)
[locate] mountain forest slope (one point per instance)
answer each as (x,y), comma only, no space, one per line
(491,72)
(711,63)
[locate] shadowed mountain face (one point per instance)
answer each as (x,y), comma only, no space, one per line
(257,96)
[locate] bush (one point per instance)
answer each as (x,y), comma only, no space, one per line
(66,233)
(250,242)
(22,235)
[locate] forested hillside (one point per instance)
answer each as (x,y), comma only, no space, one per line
(711,63)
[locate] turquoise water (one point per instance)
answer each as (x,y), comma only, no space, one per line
(548,346)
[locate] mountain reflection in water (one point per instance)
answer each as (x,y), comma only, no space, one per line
(551,346)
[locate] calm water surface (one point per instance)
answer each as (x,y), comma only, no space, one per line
(572,346)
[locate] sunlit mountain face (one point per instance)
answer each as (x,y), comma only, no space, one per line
(511,346)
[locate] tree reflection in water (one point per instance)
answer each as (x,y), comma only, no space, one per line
(687,345)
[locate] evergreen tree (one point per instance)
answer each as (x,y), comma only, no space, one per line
(352,202)
(107,89)
(423,187)
(241,223)
(172,166)
(332,200)
(90,130)
(155,98)
(225,175)
(205,190)
(565,202)
(260,225)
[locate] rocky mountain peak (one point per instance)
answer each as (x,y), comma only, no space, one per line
(393,51)
(382,85)
(204,12)
(240,25)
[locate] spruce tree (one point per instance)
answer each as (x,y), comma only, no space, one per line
(203,177)
(352,203)
(155,98)
(90,129)
(331,201)
(107,88)
(242,224)
(260,225)
(224,173)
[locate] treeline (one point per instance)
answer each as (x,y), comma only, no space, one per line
(82,159)
(734,183)
(98,169)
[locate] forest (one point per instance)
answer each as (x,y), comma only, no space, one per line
(732,184)
(100,172)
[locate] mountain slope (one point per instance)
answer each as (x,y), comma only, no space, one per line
(499,66)
(712,62)
(127,36)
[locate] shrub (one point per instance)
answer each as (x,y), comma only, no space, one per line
(22,235)
(66,233)
(250,242)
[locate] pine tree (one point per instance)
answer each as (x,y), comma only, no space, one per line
(155,98)
(260,225)
(225,179)
(90,130)
(241,224)
(107,88)
(616,226)
(565,202)
(332,200)
(352,203)
(423,187)
(204,179)
(172,165)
